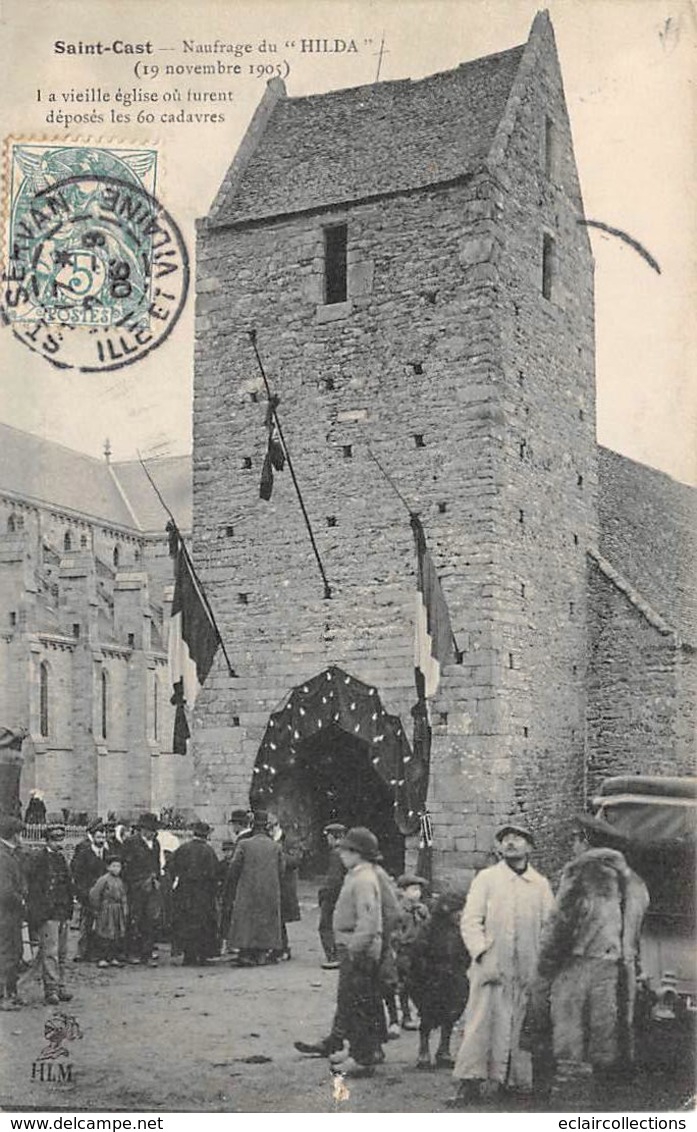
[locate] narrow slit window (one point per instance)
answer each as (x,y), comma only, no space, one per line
(549,256)
(549,147)
(335,275)
(43,700)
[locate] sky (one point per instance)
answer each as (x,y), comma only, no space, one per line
(628,70)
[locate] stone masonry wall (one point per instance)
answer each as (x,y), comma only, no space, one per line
(547,457)
(408,367)
(638,721)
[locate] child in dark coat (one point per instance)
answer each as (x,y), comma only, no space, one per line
(110,906)
(413,915)
(437,978)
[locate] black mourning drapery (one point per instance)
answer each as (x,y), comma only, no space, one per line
(335,699)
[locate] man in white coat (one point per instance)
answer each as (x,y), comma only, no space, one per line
(501,925)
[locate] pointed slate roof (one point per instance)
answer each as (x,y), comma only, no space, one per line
(326,149)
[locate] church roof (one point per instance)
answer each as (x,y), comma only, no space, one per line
(172,474)
(42,471)
(367,141)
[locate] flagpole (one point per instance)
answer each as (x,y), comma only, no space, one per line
(196,580)
(296,485)
(412,515)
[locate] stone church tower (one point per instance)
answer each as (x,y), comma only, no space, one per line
(414,259)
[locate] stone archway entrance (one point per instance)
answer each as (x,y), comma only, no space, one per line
(332,752)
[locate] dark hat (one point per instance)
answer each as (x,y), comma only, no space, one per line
(55,829)
(10,825)
(147,821)
(112,857)
(411,878)
(95,826)
(260,819)
(239,815)
(200,829)
(513,827)
(362,841)
(335,827)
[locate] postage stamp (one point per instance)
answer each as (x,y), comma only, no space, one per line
(97,271)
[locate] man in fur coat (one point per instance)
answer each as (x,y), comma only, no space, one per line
(589,953)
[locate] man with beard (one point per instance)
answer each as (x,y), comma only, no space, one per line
(194,869)
(506,908)
(86,867)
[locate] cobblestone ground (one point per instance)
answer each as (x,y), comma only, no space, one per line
(220,1039)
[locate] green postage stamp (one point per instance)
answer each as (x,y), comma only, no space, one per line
(96,271)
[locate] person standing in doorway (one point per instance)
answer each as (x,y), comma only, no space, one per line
(252,896)
(50,910)
(502,921)
(86,867)
(329,893)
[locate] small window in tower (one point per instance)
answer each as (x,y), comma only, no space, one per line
(13,619)
(115,557)
(83,542)
(43,700)
(549,255)
(549,144)
(335,275)
(67,541)
(105,705)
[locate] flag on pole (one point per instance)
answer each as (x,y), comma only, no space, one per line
(275,457)
(434,644)
(193,639)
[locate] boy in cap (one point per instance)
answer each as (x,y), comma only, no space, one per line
(413,914)
(141,874)
(506,908)
(50,909)
(12,909)
(329,893)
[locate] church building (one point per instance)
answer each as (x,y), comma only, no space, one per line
(414,259)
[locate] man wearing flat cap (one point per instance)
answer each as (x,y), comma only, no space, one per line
(329,893)
(86,867)
(501,926)
(194,868)
(141,874)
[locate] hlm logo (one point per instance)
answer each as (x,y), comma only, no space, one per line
(46,1071)
(58,1029)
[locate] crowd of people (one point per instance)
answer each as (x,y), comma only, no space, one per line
(533,979)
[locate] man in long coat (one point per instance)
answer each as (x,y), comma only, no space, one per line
(194,869)
(86,867)
(12,911)
(253,891)
(501,926)
(141,874)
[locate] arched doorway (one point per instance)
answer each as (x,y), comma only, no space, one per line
(332,752)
